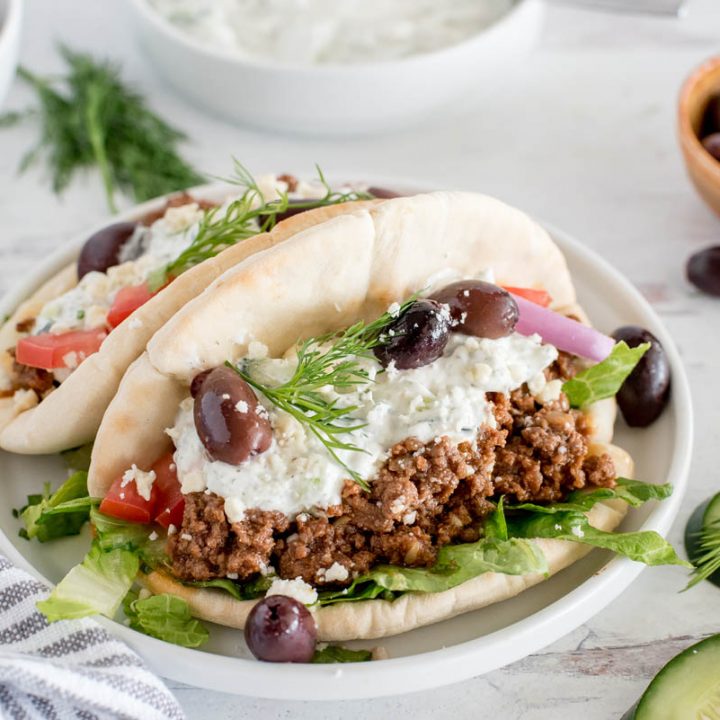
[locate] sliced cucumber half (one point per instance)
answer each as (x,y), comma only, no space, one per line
(705,518)
(687,688)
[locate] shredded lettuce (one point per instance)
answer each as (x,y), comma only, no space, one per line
(49,516)
(166,617)
(645,546)
(604,379)
(339,654)
(96,586)
(240,591)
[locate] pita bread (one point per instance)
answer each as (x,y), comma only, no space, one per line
(322,279)
(70,415)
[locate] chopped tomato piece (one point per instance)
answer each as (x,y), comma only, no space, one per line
(65,350)
(171,502)
(127,301)
(539,297)
(123,501)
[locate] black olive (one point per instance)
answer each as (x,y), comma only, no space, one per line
(102,250)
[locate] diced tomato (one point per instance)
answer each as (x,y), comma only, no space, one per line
(539,297)
(49,351)
(171,501)
(126,503)
(127,301)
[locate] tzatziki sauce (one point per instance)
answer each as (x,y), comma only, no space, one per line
(312,32)
(445,398)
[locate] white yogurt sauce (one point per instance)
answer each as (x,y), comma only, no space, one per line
(330,31)
(447,397)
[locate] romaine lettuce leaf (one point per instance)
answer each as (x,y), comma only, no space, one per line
(96,586)
(455,565)
(113,533)
(604,379)
(240,591)
(338,654)
(54,515)
(78,458)
(645,546)
(166,617)
(633,492)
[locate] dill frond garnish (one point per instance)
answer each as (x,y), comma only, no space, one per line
(707,554)
(90,119)
(248,215)
(333,360)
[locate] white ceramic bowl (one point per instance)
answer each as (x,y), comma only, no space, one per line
(440,654)
(336,99)
(10,22)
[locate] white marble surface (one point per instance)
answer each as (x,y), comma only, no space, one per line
(583,137)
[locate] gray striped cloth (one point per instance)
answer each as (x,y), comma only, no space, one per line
(69,670)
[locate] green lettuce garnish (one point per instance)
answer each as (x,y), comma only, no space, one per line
(96,586)
(633,492)
(645,546)
(49,516)
(240,591)
(604,379)
(166,617)
(78,458)
(339,654)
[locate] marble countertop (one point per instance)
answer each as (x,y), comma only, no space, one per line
(583,137)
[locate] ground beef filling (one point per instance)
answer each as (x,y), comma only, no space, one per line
(24,377)
(425,496)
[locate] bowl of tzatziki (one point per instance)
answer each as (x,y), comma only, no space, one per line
(10,21)
(335,67)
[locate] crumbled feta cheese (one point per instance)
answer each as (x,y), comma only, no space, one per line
(171,529)
(153,536)
(297,589)
(232,576)
(577,531)
(24,400)
(186,536)
(550,392)
(409,518)
(71,360)
(143,480)
(257,350)
(336,573)
(394,309)
(397,505)
(241,406)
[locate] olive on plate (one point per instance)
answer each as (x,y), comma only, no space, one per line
(646,391)
(230,422)
(415,338)
(703,270)
(102,249)
(480,308)
(281,629)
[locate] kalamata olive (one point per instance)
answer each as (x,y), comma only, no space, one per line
(102,250)
(295,207)
(711,117)
(415,338)
(480,308)
(281,629)
(703,270)
(645,393)
(197,382)
(712,144)
(230,422)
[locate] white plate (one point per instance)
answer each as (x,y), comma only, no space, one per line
(447,652)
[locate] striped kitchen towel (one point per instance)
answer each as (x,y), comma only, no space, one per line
(68,669)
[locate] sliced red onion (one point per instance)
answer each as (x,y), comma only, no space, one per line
(562,332)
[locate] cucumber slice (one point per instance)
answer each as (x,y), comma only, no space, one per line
(687,688)
(705,515)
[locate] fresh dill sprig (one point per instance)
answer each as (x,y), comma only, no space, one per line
(707,556)
(90,119)
(248,215)
(332,360)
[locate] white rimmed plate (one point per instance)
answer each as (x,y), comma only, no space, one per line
(447,652)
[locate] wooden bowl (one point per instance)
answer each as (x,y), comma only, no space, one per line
(703,168)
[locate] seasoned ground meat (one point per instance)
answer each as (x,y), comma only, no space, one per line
(426,495)
(208,546)
(25,326)
(29,378)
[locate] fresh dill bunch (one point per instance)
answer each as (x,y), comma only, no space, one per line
(90,119)
(248,215)
(707,556)
(333,360)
